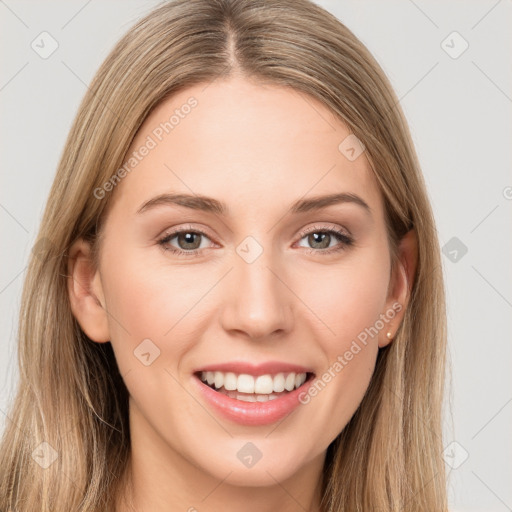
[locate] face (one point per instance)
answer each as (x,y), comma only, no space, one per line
(277,299)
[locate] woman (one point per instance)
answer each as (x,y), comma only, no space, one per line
(236,300)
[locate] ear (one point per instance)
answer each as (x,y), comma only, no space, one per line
(400,286)
(86,293)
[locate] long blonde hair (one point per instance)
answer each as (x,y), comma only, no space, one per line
(70,393)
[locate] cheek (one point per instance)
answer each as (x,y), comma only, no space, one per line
(347,298)
(349,301)
(156,302)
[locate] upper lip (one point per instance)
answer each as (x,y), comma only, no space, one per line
(269,367)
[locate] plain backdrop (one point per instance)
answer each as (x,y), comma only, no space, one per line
(449,62)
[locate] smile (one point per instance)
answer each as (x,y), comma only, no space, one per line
(249,388)
(252,395)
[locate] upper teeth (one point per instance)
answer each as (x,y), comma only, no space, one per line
(263,384)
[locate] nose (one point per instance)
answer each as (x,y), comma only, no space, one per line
(259,302)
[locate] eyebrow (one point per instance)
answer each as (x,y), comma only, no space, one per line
(211,205)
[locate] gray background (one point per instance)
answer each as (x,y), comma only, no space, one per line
(459,113)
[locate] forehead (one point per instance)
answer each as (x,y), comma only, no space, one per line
(250,145)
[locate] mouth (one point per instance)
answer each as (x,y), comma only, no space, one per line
(250,388)
(250,395)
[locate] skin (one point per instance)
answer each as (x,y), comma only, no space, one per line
(258,148)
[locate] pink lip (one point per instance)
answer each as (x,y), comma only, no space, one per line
(270,367)
(252,413)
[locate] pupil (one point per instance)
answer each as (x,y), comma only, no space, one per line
(321,237)
(189,240)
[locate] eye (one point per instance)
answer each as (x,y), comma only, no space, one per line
(320,239)
(188,241)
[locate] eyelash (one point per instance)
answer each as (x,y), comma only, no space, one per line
(346,241)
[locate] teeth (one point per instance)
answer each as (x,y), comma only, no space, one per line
(245,383)
(246,398)
(264,384)
(300,378)
(289,383)
(279,381)
(219,379)
(230,381)
(261,387)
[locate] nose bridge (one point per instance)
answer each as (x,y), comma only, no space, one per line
(259,302)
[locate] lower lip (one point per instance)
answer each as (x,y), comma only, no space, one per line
(252,413)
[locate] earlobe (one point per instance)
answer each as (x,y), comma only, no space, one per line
(403,281)
(86,293)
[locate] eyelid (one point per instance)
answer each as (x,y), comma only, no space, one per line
(333,227)
(184,228)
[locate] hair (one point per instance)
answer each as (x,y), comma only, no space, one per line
(70,393)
